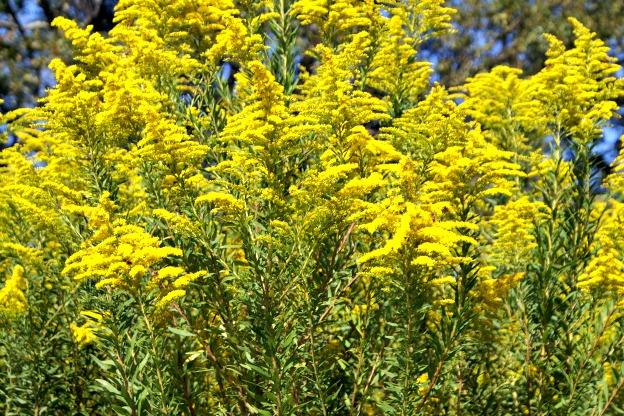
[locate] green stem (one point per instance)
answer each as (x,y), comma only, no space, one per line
(156,357)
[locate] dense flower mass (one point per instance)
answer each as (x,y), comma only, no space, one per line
(192,223)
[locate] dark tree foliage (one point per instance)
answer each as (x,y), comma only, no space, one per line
(510,32)
(28,43)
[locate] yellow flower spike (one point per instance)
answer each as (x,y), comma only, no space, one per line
(362,186)
(113,282)
(93,315)
(124,250)
(605,271)
(493,291)
(92,49)
(223,203)
(336,19)
(514,225)
(442,281)
(152,255)
(266,131)
(13,302)
(502,102)
(29,256)
(425,261)
(87,333)
(608,372)
(121,257)
(340,109)
(423,383)
(577,86)
(169,272)
(184,281)
(164,214)
(395,69)
(137,272)
(84,334)
(429,128)
(425,18)
(170,297)
(236,42)
(467,174)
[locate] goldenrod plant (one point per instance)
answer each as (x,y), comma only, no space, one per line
(350,239)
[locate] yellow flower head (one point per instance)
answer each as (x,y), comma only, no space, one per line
(13,302)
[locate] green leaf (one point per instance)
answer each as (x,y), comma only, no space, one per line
(108,386)
(181,332)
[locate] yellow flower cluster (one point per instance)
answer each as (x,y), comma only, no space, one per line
(340,109)
(605,271)
(87,333)
(493,291)
(506,106)
(464,175)
(12,299)
(124,256)
(335,20)
(577,86)
(430,127)
(338,19)
(265,133)
(396,70)
(514,226)
(121,259)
